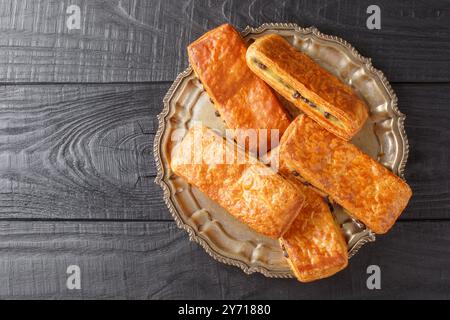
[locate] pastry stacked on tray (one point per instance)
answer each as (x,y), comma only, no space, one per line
(316,163)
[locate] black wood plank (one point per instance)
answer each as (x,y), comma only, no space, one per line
(79,151)
(156,261)
(137,40)
(85,151)
(428,128)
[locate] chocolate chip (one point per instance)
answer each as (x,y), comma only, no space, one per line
(296,95)
(261,65)
(285,254)
(211,100)
(295,173)
(327,115)
(217,113)
(312,105)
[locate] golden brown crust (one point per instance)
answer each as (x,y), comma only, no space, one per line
(366,189)
(314,244)
(243,100)
(249,190)
(300,80)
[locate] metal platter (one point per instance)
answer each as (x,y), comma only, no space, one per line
(223,237)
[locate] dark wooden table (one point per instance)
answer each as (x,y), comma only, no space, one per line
(77,120)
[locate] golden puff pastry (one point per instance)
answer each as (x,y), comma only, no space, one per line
(307,85)
(367,190)
(243,100)
(246,188)
(314,244)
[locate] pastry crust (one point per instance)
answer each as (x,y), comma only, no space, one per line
(307,85)
(246,188)
(243,100)
(367,190)
(314,243)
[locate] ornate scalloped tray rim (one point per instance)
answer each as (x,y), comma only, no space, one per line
(195,237)
(367,63)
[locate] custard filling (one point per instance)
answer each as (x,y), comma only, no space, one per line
(295,94)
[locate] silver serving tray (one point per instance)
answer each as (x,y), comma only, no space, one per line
(223,237)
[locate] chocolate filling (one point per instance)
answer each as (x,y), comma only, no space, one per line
(260,65)
(285,254)
(302,180)
(296,94)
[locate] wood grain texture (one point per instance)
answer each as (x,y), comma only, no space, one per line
(79,151)
(427,112)
(156,261)
(138,40)
(85,151)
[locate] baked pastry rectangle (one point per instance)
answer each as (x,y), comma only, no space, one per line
(243,100)
(367,190)
(314,244)
(307,85)
(246,188)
